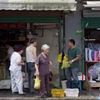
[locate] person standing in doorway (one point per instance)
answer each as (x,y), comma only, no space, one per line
(72,71)
(15,71)
(10,50)
(31,58)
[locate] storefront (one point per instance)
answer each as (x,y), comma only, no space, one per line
(91,42)
(21,20)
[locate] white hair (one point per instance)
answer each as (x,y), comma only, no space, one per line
(45,47)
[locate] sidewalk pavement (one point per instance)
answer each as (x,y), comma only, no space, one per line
(7,95)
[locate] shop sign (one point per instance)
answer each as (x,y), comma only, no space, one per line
(13,25)
(78,33)
(4,25)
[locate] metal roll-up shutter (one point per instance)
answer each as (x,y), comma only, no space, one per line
(91,22)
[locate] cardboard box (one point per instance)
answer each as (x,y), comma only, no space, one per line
(22,38)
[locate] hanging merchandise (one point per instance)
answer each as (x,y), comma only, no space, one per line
(86,54)
(97,47)
(96,57)
(92,52)
(99,55)
(37,83)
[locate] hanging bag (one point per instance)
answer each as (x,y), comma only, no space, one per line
(37,83)
(86,54)
(96,56)
(91,52)
(97,47)
(65,63)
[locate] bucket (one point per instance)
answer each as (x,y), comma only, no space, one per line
(64,84)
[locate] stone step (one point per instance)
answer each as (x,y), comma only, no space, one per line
(38,98)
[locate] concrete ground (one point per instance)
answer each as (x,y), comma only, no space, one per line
(7,95)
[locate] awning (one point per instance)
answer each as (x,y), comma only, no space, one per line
(38,5)
(92,4)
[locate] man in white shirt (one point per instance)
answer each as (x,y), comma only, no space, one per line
(31,58)
(15,71)
(10,50)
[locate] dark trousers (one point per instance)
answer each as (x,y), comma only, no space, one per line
(31,71)
(69,73)
(44,84)
(7,68)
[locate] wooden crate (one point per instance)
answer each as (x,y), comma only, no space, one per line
(95,85)
(89,86)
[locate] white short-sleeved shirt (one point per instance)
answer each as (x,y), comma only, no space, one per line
(15,58)
(10,51)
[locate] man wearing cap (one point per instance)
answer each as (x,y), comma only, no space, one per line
(31,58)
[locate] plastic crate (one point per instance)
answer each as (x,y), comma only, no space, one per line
(72,92)
(26,85)
(57,93)
(5,84)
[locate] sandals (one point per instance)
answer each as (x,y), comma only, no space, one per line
(23,93)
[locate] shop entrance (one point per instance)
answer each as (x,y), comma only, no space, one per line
(18,31)
(47,33)
(91,47)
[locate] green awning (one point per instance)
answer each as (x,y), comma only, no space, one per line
(38,5)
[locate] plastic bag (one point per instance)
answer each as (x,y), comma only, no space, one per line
(65,58)
(65,64)
(37,83)
(60,58)
(93,70)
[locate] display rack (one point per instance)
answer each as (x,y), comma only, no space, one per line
(87,64)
